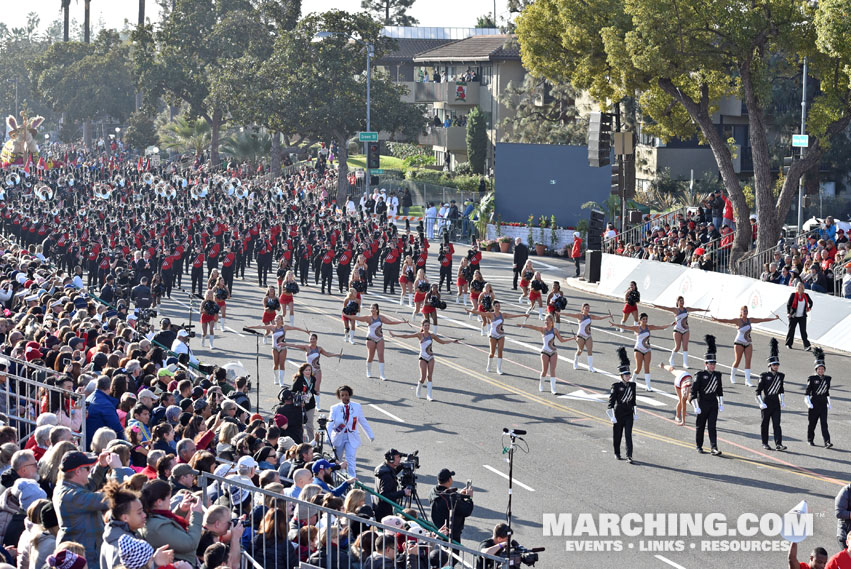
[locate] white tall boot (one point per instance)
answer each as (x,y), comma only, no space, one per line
(685,360)
(428,391)
(489,364)
(576,360)
(647,382)
(318,406)
(281,376)
(211,341)
(733,375)
(540,313)
(222,324)
(484,328)
(418,392)
(411,299)
(671,359)
(352,337)
(292,319)
(401,298)
(541,383)
(265,340)
(499,366)
(369,369)
(381,371)
(748,378)
(591,364)
(553,385)
(203,340)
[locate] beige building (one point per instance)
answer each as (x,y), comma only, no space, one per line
(453,77)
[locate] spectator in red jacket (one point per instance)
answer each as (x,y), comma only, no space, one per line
(576,251)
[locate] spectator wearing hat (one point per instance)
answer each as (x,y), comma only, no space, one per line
(66,559)
(181,346)
(183,477)
(101,411)
(14,503)
(139,554)
(43,542)
(449,505)
(323,476)
(163,527)
(78,504)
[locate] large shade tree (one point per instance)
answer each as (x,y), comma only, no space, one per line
(322,83)
(681,58)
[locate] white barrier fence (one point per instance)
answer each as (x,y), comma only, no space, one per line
(828,325)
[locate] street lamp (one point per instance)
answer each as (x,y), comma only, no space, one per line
(370,52)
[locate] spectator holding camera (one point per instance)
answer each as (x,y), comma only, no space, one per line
(387,483)
(164,527)
(450,506)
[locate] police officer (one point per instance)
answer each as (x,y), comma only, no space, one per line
(818,400)
(621,409)
(707,398)
(769,395)
(387,483)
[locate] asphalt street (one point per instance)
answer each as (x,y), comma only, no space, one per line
(566,463)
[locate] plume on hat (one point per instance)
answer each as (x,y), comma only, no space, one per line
(818,353)
(710,344)
(623,357)
(775,348)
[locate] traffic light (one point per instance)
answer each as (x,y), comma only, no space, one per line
(629,177)
(787,163)
(373,155)
(599,139)
(617,178)
(374,181)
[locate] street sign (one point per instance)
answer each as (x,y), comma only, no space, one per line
(368,136)
(377,171)
(800,141)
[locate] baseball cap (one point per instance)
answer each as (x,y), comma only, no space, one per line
(182,334)
(320,465)
(199,404)
(74,460)
(148,393)
(247,461)
(445,475)
(183,470)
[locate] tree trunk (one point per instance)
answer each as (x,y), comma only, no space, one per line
(141,13)
(66,22)
(215,126)
(275,155)
(87,134)
(87,21)
(342,171)
(386,12)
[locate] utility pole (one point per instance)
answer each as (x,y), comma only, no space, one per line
(803,150)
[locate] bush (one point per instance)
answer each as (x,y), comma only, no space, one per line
(463,169)
(418,160)
(405,149)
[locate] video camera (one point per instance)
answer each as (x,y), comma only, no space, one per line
(521,555)
(410,463)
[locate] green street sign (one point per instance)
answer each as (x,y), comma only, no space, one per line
(368,136)
(377,171)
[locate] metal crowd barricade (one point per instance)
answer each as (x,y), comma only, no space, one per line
(637,233)
(25,390)
(283,532)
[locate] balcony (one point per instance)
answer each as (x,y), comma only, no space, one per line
(448,93)
(453,139)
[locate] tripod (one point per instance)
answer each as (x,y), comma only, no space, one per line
(256,361)
(513,435)
(414,498)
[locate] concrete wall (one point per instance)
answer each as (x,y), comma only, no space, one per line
(547,179)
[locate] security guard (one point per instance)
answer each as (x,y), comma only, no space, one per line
(621,409)
(707,398)
(818,400)
(769,395)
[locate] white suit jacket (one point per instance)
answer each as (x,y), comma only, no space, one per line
(343,431)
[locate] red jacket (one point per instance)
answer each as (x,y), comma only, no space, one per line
(576,251)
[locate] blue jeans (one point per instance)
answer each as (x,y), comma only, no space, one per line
(815,287)
(405,210)
(716,221)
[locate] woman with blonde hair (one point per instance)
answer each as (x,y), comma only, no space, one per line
(49,465)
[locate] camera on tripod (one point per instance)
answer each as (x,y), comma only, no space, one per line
(322,420)
(410,463)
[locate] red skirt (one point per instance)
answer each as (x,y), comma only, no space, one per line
(419,296)
(630,308)
(428,309)
(551,309)
(403,280)
(461,281)
(534,295)
(524,283)
(474,296)
(207,318)
(221,303)
(268,316)
(285,299)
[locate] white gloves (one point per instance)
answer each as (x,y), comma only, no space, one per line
(720,404)
(808,401)
(782,403)
(696,407)
(611,414)
(762,404)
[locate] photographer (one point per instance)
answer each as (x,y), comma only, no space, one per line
(450,506)
(495,545)
(166,336)
(181,346)
(387,484)
(293,414)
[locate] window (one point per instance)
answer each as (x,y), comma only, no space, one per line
(487,74)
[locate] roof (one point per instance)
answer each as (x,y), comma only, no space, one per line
(407,48)
(476,48)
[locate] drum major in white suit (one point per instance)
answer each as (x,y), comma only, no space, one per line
(343,426)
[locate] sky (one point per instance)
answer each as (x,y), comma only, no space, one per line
(437,13)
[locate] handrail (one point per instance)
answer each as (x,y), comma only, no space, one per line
(305,511)
(750,265)
(635,234)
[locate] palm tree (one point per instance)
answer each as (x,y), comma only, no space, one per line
(141,13)
(66,13)
(186,135)
(87,21)
(249,146)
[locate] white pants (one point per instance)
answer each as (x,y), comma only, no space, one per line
(346,449)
